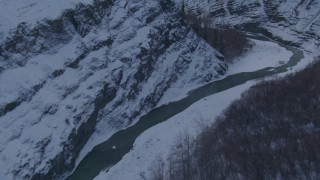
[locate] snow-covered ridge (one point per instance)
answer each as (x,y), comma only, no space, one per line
(97,67)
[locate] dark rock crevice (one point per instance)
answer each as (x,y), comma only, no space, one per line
(65,160)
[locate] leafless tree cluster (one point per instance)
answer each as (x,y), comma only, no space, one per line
(158,172)
(271,132)
(180,163)
(227,41)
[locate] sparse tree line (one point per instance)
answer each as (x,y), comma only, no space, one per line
(271,132)
(227,41)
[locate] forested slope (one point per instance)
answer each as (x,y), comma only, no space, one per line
(271,132)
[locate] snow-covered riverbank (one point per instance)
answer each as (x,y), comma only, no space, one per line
(157,141)
(262,54)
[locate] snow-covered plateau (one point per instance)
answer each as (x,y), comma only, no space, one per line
(75,72)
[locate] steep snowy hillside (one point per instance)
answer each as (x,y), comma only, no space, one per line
(295,20)
(103,63)
(13,12)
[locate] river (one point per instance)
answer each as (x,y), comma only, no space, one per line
(108,153)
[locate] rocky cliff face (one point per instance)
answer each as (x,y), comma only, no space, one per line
(295,20)
(105,62)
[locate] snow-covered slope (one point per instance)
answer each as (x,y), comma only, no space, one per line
(295,20)
(103,63)
(14,12)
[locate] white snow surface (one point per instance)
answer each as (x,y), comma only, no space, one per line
(157,141)
(262,54)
